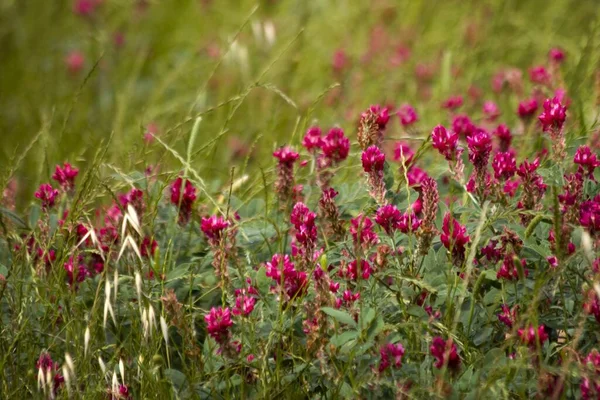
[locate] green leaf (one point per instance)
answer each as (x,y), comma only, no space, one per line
(343,338)
(14,218)
(176,377)
(340,316)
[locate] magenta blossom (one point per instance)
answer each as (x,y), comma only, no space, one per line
(446,142)
(403,152)
(388,217)
(454,237)
(554,115)
(407,114)
(218,322)
(214,228)
(352,272)
(361,229)
(530,335)
(527,108)
(373,159)
(504,165)
(480,147)
(508,316)
(286,156)
(445,353)
(416,176)
(539,75)
(504,136)
(491,110)
(556,55)
(586,160)
(47,196)
(335,145)
(453,102)
(463,126)
(391,354)
(183,199)
(65,176)
(312,139)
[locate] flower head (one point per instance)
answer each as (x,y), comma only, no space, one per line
(444,141)
(373,160)
(286,156)
(184,199)
(407,114)
(586,160)
(335,145)
(388,217)
(504,165)
(454,237)
(530,335)
(47,195)
(65,176)
(504,136)
(312,139)
(214,228)
(391,354)
(453,102)
(527,108)
(556,55)
(445,353)
(508,316)
(491,110)
(539,75)
(218,322)
(403,153)
(554,115)
(480,147)
(463,126)
(362,232)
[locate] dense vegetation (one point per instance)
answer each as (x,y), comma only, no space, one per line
(299,199)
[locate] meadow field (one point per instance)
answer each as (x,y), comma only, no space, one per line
(320,199)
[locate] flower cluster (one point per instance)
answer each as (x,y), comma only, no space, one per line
(445,353)
(290,283)
(65,176)
(47,196)
(373,161)
(183,197)
(285,183)
(371,125)
(391,355)
(454,237)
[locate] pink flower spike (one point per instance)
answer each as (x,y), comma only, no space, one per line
(373,159)
(214,228)
(453,102)
(444,141)
(407,114)
(527,108)
(75,61)
(491,110)
(47,196)
(403,152)
(65,176)
(554,115)
(445,353)
(312,139)
(335,145)
(539,75)
(286,156)
(556,55)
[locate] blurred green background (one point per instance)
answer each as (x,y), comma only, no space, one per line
(257,72)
